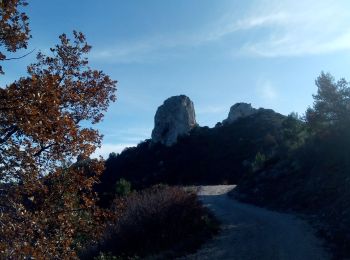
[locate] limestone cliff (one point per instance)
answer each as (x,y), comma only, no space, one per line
(174,118)
(239,110)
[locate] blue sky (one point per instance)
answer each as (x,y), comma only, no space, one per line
(267,53)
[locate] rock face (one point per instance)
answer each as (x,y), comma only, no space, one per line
(174,118)
(239,110)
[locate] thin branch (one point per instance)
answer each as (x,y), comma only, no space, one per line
(44,148)
(10,132)
(21,57)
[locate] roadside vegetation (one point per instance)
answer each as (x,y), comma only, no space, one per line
(311,175)
(161,221)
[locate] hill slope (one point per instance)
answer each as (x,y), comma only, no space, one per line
(313,180)
(222,154)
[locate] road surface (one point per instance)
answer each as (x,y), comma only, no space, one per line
(250,232)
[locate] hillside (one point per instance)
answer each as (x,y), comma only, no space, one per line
(313,180)
(222,154)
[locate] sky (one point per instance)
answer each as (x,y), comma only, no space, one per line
(267,53)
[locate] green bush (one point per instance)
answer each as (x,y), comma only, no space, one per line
(122,187)
(259,161)
(157,220)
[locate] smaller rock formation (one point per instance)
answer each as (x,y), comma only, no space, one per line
(174,118)
(239,110)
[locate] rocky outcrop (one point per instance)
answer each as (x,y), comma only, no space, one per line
(239,110)
(174,118)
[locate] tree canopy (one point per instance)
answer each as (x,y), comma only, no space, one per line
(331,103)
(14,27)
(47,204)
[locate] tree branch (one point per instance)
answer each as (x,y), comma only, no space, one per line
(21,57)
(9,134)
(43,149)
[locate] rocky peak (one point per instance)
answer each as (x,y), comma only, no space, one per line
(239,110)
(174,118)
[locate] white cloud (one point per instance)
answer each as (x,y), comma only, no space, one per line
(127,52)
(106,149)
(138,51)
(281,28)
(129,135)
(266,91)
(259,21)
(310,27)
(211,109)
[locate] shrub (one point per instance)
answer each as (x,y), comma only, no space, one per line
(122,187)
(156,220)
(259,161)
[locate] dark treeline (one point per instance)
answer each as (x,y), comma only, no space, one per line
(222,154)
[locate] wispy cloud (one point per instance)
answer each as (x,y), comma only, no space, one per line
(211,109)
(139,51)
(106,149)
(129,52)
(266,90)
(306,28)
(262,20)
(276,28)
(230,24)
(129,135)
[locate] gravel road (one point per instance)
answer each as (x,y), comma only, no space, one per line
(250,232)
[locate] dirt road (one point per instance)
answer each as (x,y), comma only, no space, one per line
(250,232)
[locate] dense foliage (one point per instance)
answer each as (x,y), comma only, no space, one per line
(160,220)
(47,203)
(14,28)
(331,104)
